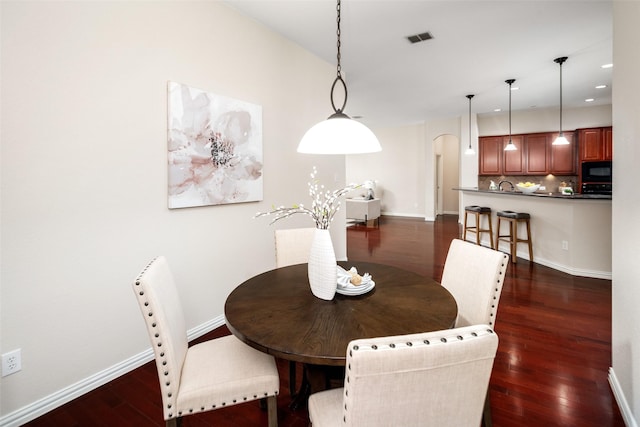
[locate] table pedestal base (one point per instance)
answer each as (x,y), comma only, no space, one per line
(316,378)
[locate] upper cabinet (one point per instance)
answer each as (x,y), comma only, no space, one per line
(513,162)
(535,155)
(490,157)
(564,157)
(595,144)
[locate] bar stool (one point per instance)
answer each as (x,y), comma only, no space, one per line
(514,218)
(478,212)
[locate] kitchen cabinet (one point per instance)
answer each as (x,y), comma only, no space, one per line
(536,155)
(563,157)
(513,161)
(537,151)
(608,143)
(490,155)
(595,144)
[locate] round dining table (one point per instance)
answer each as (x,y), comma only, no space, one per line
(275,312)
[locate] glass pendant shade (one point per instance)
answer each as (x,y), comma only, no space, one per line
(339,135)
(561,140)
(510,146)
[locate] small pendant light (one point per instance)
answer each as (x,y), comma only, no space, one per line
(560,140)
(510,146)
(339,134)
(469,151)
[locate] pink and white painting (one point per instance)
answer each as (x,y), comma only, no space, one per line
(215,148)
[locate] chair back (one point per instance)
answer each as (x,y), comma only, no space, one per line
(293,246)
(160,305)
(474,275)
(428,379)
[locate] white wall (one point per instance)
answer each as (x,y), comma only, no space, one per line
(398,170)
(544,120)
(84,173)
(625,374)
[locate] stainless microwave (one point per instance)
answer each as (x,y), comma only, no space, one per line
(600,171)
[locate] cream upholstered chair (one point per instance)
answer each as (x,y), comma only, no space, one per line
(474,275)
(210,375)
(293,246)
(430,379)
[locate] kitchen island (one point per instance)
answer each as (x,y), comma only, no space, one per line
(569,233)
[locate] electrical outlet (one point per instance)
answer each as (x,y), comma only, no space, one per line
(11,362)
(565,245)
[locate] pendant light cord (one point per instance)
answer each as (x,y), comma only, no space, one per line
(510,82)
(470,96)
(560,61)
(339,68)
(339,111)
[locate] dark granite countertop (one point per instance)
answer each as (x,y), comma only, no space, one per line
(539,194)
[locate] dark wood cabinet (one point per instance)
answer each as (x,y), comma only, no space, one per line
(535,155)
(490,155)
(595,144)
(513,161)
(608,143)
(563,158)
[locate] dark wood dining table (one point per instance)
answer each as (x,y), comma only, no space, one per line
(275,312)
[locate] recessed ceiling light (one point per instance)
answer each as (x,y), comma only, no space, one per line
(601,86)
(589,100)
(497,110)
(607,65)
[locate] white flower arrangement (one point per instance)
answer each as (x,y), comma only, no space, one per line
(324,204)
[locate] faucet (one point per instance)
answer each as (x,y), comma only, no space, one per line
(508,182)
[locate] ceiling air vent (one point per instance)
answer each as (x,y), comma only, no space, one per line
(420,37)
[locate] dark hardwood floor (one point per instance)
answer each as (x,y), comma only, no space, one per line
(550,370)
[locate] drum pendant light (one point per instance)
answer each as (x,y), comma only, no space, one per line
(469,151)
(339,134)
(560,140)
(510,146)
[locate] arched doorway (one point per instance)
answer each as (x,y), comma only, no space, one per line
(446,149)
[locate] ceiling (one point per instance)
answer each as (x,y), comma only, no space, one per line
(476,46)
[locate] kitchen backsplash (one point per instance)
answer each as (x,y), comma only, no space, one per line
(550,182)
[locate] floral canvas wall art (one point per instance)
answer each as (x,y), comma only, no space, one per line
(215,148)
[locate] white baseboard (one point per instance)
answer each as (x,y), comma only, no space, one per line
(67,394)
(410,215)
(596,274)
(625,410)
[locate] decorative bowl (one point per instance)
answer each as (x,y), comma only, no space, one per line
(528,188)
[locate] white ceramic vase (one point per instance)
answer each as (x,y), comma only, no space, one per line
(322,266)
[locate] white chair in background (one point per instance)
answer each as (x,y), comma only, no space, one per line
(210,375)
(293,246)
(429,379)
(475,275)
